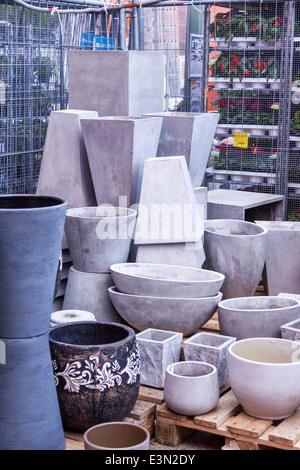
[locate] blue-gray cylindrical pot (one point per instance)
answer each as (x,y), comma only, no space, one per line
(29,411)
(31,231)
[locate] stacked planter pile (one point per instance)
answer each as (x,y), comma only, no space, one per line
(30,239)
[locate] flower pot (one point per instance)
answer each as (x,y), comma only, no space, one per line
(116,436)
(191,388)
(30,240)
(96,370)
(164,313)
(273,132)
(286,261)
(256,179)
(291,330)
(250,317)
(264,375)
(161,280)
(62,317)
(228,245)
(29,415)
(212,349)
(89,292)
(158,349)
(99,236)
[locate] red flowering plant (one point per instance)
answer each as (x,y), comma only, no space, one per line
(241,65)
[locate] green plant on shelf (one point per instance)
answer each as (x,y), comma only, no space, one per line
(295,124)
(253,159)
(242,65)
(294,216)
(235,23)
(294,175)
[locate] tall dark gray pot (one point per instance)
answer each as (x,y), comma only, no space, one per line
(29,411)
(31,230)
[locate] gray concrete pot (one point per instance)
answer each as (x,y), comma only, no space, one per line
(291,330)
(99,236)
(237,249)
(164,313)
(30,240)
(89,292)
(117,436)
(191,388)
(117,147)
(282,256)
(61,317)
(211,348)
(158,349)
(264,375)
(161,280)
(191,135)
(257,316)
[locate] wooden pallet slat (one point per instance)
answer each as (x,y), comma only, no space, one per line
(227,407)
(288,431)
(246,425)
(152,395)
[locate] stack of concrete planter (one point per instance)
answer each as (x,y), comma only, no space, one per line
(97,237)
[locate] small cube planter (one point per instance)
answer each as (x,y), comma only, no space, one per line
(291,330)
(211,348)
(158,349)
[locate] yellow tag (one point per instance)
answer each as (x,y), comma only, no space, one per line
(241,139)
(205,96)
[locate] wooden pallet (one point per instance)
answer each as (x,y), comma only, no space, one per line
(143,413)
(229,420)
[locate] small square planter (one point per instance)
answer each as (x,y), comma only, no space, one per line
(291,330)
(158,349)
(211,348)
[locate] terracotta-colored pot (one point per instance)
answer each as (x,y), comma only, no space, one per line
(116,436)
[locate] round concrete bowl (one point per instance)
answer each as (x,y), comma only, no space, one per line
(99,236)
(264,375)
(237,249)
(116,436)
(160,280)
(252,317)
(191,387)
(183,315)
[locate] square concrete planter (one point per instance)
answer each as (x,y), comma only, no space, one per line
(117,83)
(158,349)
(291,330)
(211,348)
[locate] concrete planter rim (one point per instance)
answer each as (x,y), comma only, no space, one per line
(223,344)
(53,202)
(120,424)
(170,335)
(262,363)
(119,326)
(79,213)
(218,276)
(171,367)
(114,290)
(224,304)
(243,223)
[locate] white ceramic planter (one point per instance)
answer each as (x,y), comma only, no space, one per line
(191,388)
(211,348)
(99,236)
(264,375)
(250,317)
(158,349)
(164,313)
(161,280)
(282,256)
(229,245)
(70,316)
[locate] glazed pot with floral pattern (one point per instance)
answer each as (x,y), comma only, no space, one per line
(97,372)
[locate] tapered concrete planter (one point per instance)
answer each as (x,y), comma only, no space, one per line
(89,292)
(164,313)
(96,371)
(264,375)
(117,148)
(250,317)
(158,349)
(282,256)
(65,170)
(237,249)
(191,388)
(99,236)
(291,330)
(190,254)
(161,280)
(117,436)
(29,413)
(30,239)
(211,348)
(131,82)
(191,135)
